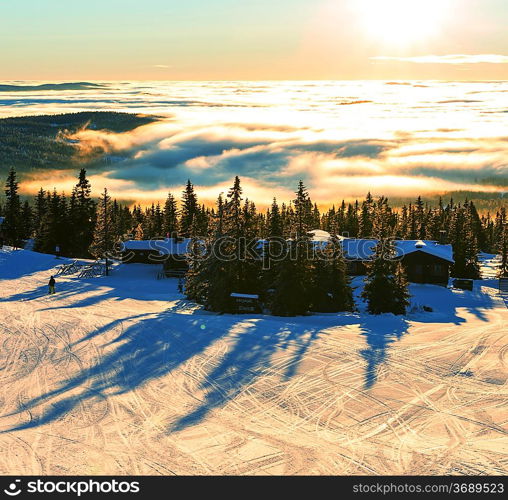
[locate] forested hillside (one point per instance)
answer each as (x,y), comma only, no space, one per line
(29,142)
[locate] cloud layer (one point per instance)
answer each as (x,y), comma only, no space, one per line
(401,139)
(448,59)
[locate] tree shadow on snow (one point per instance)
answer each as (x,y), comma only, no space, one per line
(155,345)
(152,346)
(250,358)
(146,350)
(380,332)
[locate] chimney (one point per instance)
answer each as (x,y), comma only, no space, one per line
(442,237)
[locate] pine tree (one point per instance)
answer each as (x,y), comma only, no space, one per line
(419,219)
(385,285)
(352,223)
(463,239)
(189,210)
(382,223)
(39,212)
(206,281)
(12,226)
(54,231)
(158,222)
(290,292)
(275,226)
(170,223)
(330,288)
(366,217)
(412,224)
(472,266)
(503,250)
(138,232)
(401,294)
(291,287)
(229,266)
(123,223)
(26,226)
(103,238)
(84,215)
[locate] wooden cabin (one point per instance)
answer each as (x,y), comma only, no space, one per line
(428,262)
(174,256)
(171,253)
(141,251)
(424,261)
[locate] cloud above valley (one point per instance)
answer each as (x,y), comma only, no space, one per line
(402,139)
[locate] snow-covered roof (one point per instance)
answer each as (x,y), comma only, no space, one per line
(244,296)
(444,252)
(139,245)
(354,248)
(319,235)
(363,249)
(172,246)
(358,249)
(168,246)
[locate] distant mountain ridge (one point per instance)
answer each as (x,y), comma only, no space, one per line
(52,86)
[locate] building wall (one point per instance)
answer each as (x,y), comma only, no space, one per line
(424,268)
(141,257)
(420,268)
(175,263)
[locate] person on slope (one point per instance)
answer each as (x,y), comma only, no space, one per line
(51,285)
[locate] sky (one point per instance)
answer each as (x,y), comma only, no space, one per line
(258,40)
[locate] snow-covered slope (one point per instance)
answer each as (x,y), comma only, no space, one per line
(121,375)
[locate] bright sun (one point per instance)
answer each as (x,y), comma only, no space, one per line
(401,22)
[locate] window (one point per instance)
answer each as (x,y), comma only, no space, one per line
(438,269)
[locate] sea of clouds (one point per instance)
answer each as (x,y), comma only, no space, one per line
(341,138)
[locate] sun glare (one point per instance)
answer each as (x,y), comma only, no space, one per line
(401,22)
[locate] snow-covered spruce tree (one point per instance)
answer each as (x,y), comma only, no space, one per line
(228,266)
(291,294)
(330,287)
(103,237)
(401,296)
(12,226)
(385,285)
(206,281)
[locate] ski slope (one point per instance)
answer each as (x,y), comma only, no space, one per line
(121,375)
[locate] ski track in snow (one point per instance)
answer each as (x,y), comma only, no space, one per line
(120,375)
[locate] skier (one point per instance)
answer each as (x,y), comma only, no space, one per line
(51,285)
